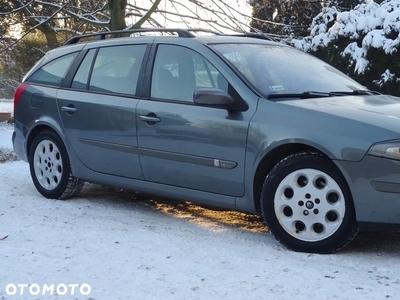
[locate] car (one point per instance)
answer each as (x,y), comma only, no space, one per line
(236,122)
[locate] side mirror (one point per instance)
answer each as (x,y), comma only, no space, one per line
(213,97)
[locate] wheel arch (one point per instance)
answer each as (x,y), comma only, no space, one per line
(271,157)
(40,126)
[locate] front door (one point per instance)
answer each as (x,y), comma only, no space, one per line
(185,145)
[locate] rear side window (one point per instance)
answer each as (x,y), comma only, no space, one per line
(116,69)
(54,72)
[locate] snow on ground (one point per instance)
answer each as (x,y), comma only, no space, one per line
(127,246)
(6,105)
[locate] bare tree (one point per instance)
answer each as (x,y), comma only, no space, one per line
(77,17)
(61,19)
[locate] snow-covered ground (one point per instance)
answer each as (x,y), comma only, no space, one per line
(6,105)
(127,246)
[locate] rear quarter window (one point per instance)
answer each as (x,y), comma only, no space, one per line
(53,72)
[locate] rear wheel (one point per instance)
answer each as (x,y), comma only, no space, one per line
(50,167)
(307,204)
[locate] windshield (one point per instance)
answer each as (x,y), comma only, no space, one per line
(276,69)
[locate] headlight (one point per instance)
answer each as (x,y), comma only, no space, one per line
(387,149)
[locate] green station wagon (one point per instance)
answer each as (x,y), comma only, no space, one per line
(236,122)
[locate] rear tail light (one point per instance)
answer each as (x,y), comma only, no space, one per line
(18,93)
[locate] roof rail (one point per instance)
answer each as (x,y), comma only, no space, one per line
(261,36)
(102,35)
(180,32)
(204,30)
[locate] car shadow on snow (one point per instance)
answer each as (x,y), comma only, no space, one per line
(218,220)
(386,242)
(222,220)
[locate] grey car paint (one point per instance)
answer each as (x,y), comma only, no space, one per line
(264,127)
(104,125)
(198,132)
(327,124)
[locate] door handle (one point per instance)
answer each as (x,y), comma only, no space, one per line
(151,119)
(69,109)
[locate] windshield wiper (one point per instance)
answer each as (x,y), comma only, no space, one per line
(355,92)
(304,95)
(313,94)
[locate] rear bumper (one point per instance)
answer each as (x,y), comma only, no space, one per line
(375,186)
(19,139)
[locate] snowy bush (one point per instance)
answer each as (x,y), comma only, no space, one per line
(362,42)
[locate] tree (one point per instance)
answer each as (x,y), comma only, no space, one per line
(367,51)
(344,5)
(51,18)
(284,17)
(55,21)
(15,61)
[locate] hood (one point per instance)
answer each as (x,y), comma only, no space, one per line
(377,110)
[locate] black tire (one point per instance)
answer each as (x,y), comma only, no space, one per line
(293,215)
(52,158)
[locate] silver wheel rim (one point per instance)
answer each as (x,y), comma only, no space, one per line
(309,205)
(47,164)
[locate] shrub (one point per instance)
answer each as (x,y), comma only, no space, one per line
(362,42)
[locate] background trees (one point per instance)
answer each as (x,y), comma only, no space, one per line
(360,37)
(284,17)
(363,42)
(46,24)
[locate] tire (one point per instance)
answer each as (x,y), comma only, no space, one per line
(50,167)
(307,205)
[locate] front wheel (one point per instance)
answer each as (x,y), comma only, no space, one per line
(307,205)
(50,167)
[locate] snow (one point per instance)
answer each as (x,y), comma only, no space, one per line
(5,137)
(387,76)
(377,25)
(6,105)
(129,246)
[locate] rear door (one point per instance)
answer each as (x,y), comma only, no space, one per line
(186,145)
(99,109)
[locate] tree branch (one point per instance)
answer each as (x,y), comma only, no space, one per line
(147,15)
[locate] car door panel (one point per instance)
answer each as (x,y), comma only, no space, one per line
(108,142)
(194,147)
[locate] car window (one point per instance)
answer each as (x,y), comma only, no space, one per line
(82,75)
(276,69)
(179,71)
(53,72)
(116,69)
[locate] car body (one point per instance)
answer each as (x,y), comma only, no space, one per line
(187,117)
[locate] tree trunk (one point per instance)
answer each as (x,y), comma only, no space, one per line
(117,14)
(51,37)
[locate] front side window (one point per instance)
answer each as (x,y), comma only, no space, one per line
(116,69)
(276,69)
(179,71)
(54,72)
